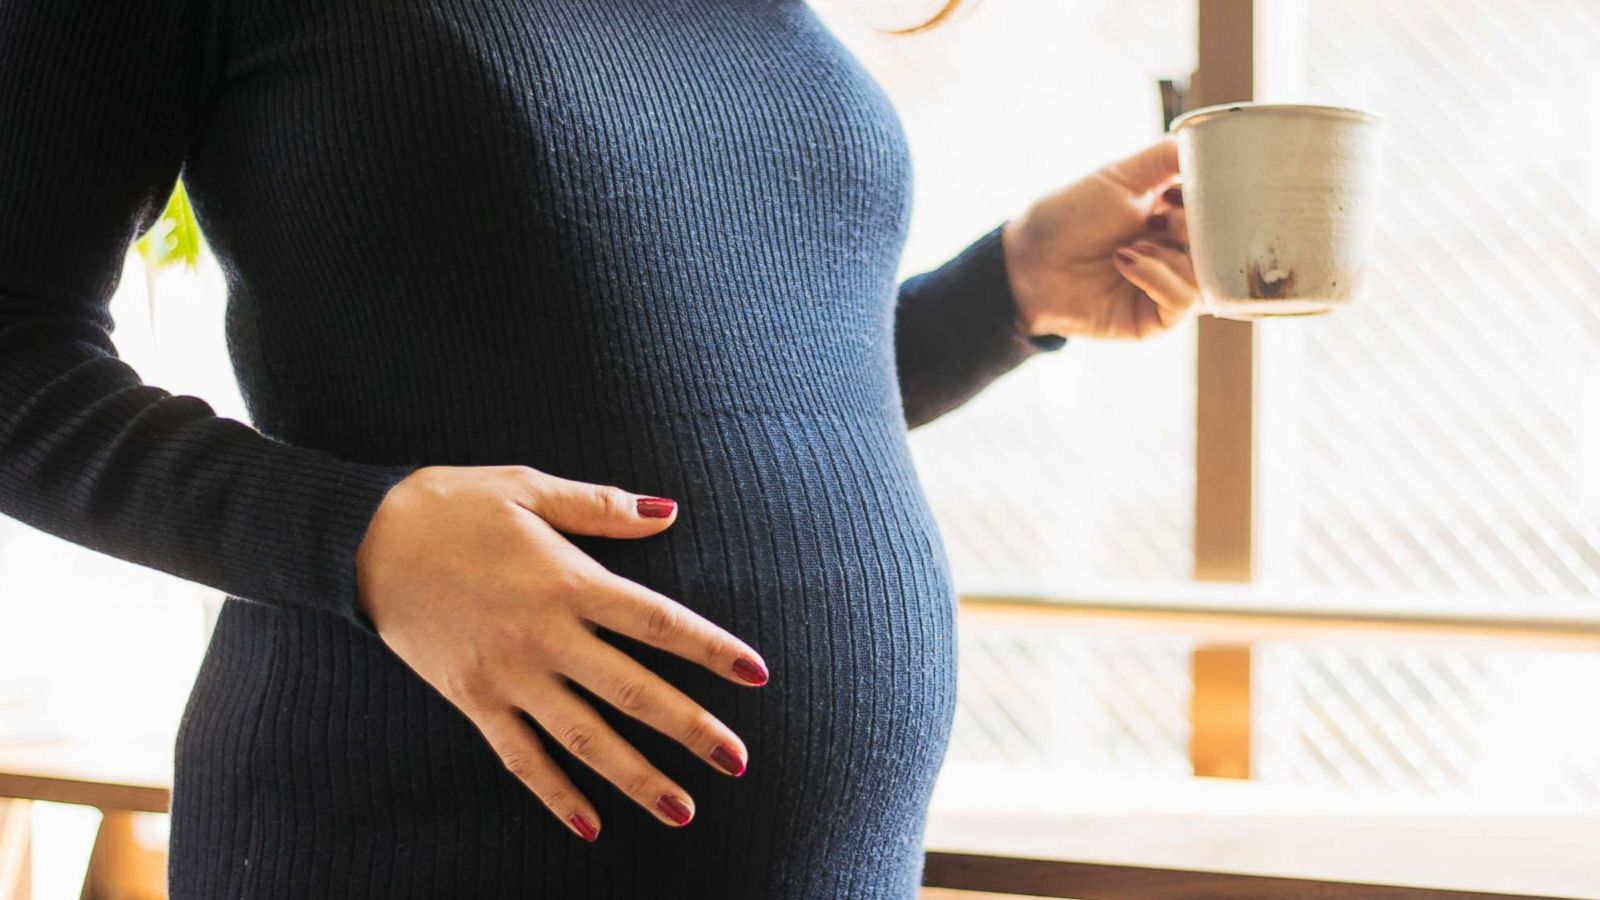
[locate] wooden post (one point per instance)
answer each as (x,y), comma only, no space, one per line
(16,850)
(1220,712)
(121,867)
(1225,451)
(1225,441)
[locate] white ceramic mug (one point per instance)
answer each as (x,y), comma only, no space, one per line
(1280,202)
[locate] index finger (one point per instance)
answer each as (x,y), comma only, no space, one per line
(1148,169)
(635,611)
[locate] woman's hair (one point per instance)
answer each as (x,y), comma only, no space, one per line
(938,18)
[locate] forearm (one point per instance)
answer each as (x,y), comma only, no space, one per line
(90,454)
(100,102)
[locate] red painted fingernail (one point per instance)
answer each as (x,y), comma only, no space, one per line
(750,670)
(656,507)
(1173,195)
(584,827)
(724,756)
(1125,255)
(674,809)
(1158,222)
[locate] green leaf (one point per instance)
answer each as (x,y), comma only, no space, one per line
(175,238)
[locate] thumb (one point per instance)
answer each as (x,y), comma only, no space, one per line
(1148,169)
(597,510)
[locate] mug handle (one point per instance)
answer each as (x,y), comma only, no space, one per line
(1174,100)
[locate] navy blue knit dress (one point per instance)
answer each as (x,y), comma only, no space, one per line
(650,243)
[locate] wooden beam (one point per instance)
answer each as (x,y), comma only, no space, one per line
(1244,624)
(1097,881)
(16,850)
(1226,458)
(89,790)
(121,867)
(1225,447)
(1220,711)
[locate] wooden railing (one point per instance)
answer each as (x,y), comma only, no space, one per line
(1227,622)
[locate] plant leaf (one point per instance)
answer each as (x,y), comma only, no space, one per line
(175,238)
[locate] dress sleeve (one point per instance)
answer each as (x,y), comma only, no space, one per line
(956,331)
(100,101)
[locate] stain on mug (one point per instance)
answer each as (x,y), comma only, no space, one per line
(1268,281)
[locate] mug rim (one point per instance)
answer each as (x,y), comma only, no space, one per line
(1196,116)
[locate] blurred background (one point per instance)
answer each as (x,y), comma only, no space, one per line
(1415,618)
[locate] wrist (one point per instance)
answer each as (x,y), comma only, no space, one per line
(369,553)
(1031,319)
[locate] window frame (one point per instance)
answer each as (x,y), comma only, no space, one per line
(1223,609)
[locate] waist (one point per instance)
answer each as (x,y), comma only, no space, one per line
(786,520)
(413,388)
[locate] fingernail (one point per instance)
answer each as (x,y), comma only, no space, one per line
(656,507)
(1125,255)
(584,827)
(728,760)
(1173,195)
(750,670)
(674,809)
(1158,222)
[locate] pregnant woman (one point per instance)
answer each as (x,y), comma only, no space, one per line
(580,376)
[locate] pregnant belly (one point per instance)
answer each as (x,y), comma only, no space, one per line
(811,543)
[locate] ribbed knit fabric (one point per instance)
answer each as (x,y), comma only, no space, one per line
(643,242)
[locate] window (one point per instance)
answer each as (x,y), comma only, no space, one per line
(1432,451)
(1434,446)
(1434,438)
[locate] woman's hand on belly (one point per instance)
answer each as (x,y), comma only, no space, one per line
(466,576)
